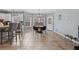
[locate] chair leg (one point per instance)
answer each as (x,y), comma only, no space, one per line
(16,37)
(11,39)
(8,35)
(1,38)
(19,35)
(34,34)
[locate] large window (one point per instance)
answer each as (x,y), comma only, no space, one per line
(38,19)
(17,17)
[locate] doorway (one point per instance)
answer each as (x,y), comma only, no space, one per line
(50,23)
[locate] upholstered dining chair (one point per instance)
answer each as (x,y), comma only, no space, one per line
(4,33)
(19,30)
(0,36)
(13,29)
(44,29)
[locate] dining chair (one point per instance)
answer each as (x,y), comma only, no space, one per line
(19,30)
(5,34)
(35,32)
(35,28)
(41,31)
(38,30)
(0,36)
(44,29)
(13,29)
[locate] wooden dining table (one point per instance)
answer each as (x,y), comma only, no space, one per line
(2,28)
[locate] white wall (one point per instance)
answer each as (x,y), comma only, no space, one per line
(69,22)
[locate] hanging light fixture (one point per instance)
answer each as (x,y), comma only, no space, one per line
(39,16)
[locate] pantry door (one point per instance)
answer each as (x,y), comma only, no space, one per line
(50,23)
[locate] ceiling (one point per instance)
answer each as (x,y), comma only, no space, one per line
(42,11)
(33,11)
(36,11)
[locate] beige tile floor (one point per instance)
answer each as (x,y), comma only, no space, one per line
(34,41)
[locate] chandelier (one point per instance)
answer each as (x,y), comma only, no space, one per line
(39,16)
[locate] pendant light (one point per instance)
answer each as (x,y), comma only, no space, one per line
(39,16)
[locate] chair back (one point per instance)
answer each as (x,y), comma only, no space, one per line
(43,28)
(13,26)
(19,26)
(35,28)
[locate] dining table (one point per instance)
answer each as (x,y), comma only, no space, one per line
(39,28)
(2,29)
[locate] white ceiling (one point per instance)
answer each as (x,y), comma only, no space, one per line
(42,11)
(35,11)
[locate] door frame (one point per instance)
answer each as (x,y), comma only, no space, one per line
(52,17)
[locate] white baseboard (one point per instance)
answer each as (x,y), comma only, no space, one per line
(60,34)
(68,38)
